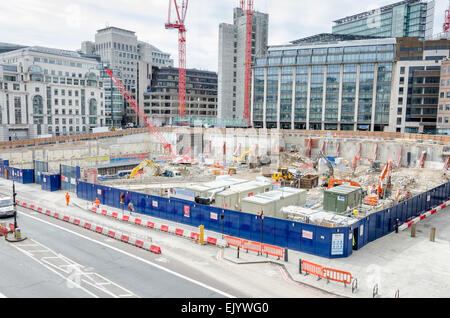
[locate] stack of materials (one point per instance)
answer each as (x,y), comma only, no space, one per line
(320,218)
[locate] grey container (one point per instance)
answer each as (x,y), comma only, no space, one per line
(272,202)
(202,190)
(341,198)
(231,198)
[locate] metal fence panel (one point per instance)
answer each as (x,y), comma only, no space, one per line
(308,236)
(322,242)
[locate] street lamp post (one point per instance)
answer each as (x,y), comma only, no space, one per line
(262,222)
(222,217)
(15,206)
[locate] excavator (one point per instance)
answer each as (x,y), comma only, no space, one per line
(381,191)
(330,181)
(243,158)
(143,164)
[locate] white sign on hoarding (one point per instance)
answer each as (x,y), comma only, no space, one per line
(337,244)
(307,234)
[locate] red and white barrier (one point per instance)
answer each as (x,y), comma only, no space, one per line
(423,216)
(148,224)
(99,229)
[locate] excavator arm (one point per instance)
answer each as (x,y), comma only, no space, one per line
(144,163)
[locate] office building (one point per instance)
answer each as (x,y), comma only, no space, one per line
(415,85)
(161,101)
(231,71)
(443,113)
(320,84)
(411,18)
(49,92)
(133,59)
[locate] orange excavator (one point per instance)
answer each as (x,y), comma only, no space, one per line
(332,182)
(379,192)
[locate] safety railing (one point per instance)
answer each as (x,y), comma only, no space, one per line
(330,274)
(263,249)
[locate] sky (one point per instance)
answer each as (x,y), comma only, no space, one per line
(64,24)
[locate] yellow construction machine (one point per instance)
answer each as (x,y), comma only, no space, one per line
(283,174)
(143,164)
(244,156)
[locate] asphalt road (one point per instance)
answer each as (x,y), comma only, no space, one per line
(57,261)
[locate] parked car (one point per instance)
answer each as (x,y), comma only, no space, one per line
(6,207)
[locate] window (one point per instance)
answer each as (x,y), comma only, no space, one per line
(38,105)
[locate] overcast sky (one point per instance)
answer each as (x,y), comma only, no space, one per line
(65,24)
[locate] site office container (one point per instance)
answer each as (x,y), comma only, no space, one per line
(231,198)
(202,190)
(272,202)
(51,181)
(340,198)
(4,162)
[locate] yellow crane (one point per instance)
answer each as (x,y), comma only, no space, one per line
(143,164)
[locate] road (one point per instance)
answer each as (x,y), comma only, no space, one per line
(60,262)
(183,270)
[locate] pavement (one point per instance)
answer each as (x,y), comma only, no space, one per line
(395,265)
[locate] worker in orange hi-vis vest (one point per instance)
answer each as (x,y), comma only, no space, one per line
(97,202)
(67,198)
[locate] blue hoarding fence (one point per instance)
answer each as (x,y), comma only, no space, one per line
(322,241)
(39,168)
(316,240)
(69,177)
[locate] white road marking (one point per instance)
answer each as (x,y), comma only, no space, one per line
(56,272)
(133,256)
(75,272)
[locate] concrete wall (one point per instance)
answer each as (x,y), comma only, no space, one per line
(91,153)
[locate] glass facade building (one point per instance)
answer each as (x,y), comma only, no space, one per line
(412,18)
(345,85)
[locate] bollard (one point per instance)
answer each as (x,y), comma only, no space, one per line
(397,225)
(413,230)
(286,256)
(202,234)
(397,293)
(238,252)
(433,234)
(375,291)
(300,266)
(354,285)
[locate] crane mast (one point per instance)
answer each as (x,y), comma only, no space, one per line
(181,10)
(447,19)
(247,9)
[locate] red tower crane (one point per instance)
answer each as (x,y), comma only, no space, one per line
(447,19)
(247,8)
(180,10)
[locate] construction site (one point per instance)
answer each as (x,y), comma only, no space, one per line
(330,175)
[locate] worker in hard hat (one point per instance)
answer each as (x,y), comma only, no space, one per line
(67,198)
(97,202)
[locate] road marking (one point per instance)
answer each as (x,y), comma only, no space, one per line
(56,272)
(133,256)
(75,273)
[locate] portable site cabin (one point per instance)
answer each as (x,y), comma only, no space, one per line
(231,198)
(271,202)
(341,198)
(50,181)
(203,190)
